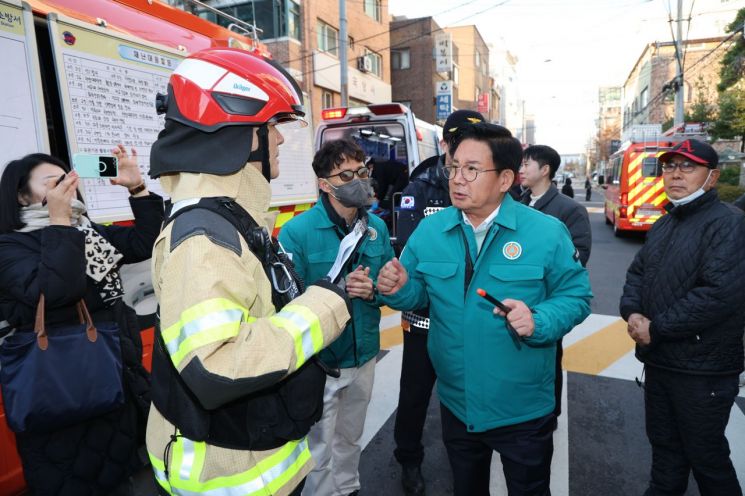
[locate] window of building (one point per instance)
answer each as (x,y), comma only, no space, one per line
(644,97)
(376,62)
(275,18)
(328,100)
(456,75)
(401,59)
(328,39)
(372,9)
(478,59)
(350,43)
(293,19)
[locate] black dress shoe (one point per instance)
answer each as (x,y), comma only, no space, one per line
(412,480)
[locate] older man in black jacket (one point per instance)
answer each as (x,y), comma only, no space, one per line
(540,163)
(683,304)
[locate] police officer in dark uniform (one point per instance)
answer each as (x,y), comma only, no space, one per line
(426,194)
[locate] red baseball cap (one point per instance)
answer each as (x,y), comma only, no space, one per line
(694,150)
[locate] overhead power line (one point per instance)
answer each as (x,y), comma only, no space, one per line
(670,85)
(402,42)
(387,31)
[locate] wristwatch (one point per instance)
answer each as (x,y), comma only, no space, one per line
(137,189)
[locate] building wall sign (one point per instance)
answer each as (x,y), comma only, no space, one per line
(483,103)
(364,87)
(444,99)
(444,52)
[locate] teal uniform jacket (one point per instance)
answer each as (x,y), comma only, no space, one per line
(312,239)
(482,377)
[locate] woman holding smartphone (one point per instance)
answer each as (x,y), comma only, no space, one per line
(48,245)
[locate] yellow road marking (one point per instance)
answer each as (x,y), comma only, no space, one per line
(393,336)
(598,351)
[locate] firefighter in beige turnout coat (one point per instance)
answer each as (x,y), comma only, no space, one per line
(219,327)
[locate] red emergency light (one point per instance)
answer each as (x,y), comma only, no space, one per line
(335,113)
(387,109)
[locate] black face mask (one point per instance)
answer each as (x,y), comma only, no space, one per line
(357,193)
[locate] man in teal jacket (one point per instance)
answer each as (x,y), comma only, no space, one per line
(313,239)
(496,387)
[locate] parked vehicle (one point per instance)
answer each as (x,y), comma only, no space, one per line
(634,194)
(387,131)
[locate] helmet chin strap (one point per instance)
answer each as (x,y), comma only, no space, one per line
(261,154)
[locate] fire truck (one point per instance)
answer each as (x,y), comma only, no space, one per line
(634,194)
(149,28)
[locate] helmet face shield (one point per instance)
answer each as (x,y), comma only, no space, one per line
(291,122)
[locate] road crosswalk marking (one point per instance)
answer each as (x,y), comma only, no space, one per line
(598,351)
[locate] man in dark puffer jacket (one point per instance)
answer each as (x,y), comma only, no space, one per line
(683,304)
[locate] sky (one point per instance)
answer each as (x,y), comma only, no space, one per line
(567,49)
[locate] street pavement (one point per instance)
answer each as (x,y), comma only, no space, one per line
(600,445)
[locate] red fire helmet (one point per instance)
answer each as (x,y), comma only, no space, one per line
(220,87)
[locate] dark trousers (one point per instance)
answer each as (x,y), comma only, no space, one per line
(588,194)
(559,379)
(686,417)
(526,450)
(417,379)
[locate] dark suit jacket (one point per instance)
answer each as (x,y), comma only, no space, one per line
(571,213)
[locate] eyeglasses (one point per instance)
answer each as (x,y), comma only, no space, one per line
(684,167)
(469,172)
(348,175)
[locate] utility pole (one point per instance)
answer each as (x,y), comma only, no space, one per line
(343,53)
(679,86)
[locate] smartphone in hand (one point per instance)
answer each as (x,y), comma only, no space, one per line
(90,166)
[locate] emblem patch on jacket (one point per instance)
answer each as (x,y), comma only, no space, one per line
(407,202)
(512,250)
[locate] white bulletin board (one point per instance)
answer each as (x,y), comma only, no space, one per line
(23,127)
(108,83)
(297,181)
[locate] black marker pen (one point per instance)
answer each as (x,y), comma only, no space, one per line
(513,333)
